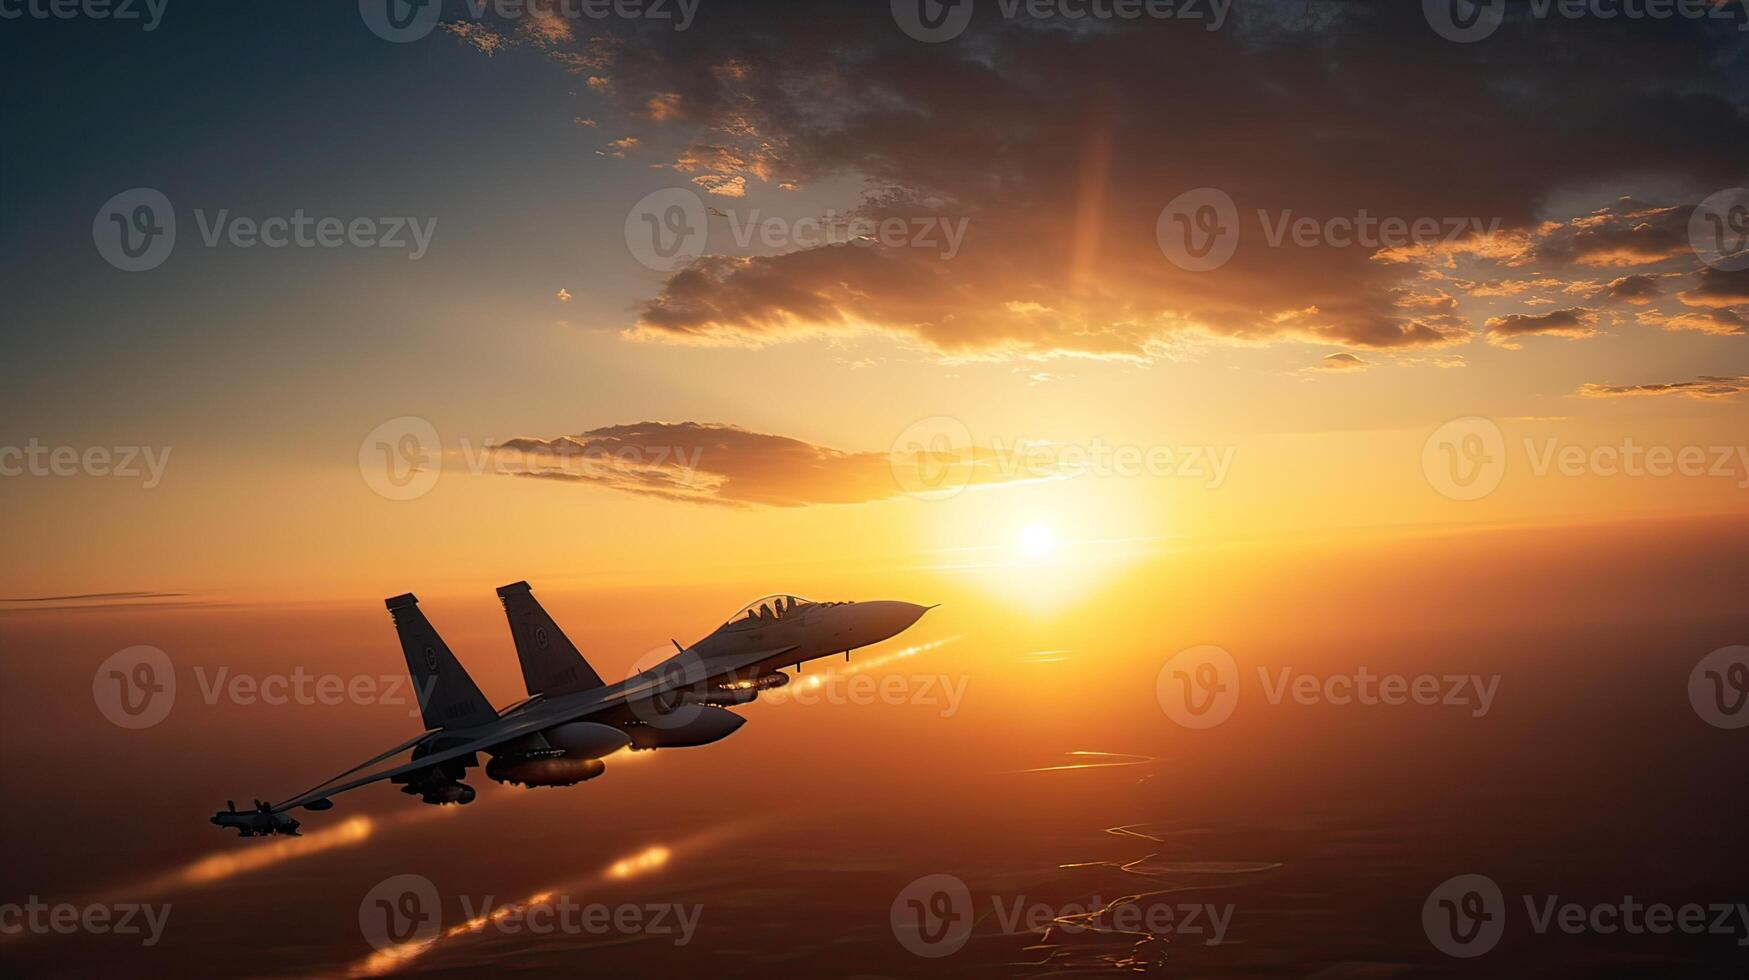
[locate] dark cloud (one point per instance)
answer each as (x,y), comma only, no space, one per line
(1718,288)
(100,595)
(1638,290)
(1342,361)
(1576,322)
(702,462)
(101,600)
(1706,386)
(1631,233)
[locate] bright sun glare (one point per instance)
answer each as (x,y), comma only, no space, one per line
(1035,541)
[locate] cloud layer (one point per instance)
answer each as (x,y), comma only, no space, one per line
(1060,141)
(714,463)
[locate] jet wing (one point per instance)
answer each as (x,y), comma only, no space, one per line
(543,715)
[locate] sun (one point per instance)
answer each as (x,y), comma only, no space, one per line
(1035,541)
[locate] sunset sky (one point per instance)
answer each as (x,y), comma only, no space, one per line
(1580,316)
(1335,338)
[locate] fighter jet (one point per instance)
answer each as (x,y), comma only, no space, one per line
(571,719)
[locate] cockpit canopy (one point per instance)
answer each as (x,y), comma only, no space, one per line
(768,610)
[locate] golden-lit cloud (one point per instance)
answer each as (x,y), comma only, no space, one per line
(478,36)
(1724,322)
(722,185)
(620,147)
(663,105)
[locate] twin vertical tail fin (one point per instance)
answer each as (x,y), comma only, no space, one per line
(448,697)
(551,664)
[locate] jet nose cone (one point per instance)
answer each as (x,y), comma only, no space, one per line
(892,617)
